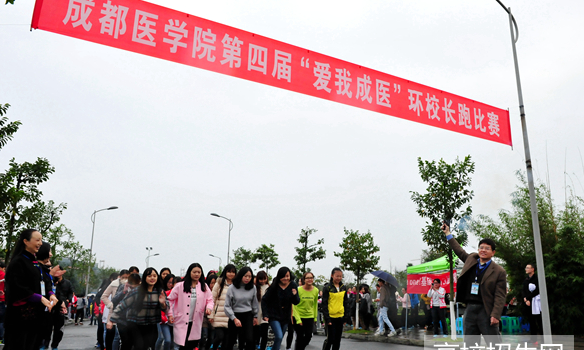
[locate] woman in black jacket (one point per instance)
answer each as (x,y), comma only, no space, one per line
(277,304)
(26,293)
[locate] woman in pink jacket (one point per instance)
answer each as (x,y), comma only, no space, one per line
(189,301)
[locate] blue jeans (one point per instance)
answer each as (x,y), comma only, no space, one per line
(164,335)
(279,329)
(116,342)
(382,318)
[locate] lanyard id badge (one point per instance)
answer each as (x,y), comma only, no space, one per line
(474,288)
(43,288)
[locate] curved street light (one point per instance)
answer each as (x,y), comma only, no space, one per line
(91,247)
(229,237)
(547,329)
(220,261)
(149,249)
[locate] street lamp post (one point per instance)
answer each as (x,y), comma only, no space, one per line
(229,237)
(91,247)
(547,329)
(149,249)
(219,261)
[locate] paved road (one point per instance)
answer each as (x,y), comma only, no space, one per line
(84,338)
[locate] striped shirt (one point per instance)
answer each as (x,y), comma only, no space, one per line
(149,314)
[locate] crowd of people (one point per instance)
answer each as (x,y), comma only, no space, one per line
(158,310)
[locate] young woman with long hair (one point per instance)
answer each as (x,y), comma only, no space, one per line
(133,282)
(142,307)
(165,327)
(277,304)
(306,311)
(241,306)
(189,300)
(218,318)
(335,309)
(27,294)
(364,307)
(260,331)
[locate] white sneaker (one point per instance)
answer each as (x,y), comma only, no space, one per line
(378,333)
(391,334)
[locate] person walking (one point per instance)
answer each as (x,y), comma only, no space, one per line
(365,307)
(260,331)
(122,326)
(306,312)
(241,306)
(142,308)
(189,301)
(438,307)
(335,308)
(406,307)
(165,329)
(81,305)
(529,296)
(112,340)
(385,302)
(218,318)
(482,285)
(26,294)
(277,304)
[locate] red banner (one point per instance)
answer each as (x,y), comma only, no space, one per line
(157,31)
(420,283)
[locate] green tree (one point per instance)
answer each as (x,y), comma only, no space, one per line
(562,239)
(19,194)
(242,257)
(358,253)
(447,197)
(308,252)
(266,256)
(7,129)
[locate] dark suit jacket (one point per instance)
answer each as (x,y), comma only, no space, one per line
(493,286)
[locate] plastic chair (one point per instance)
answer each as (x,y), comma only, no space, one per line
(459,328)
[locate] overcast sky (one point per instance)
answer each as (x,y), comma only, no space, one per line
(169,144)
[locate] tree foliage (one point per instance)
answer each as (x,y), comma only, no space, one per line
(19,191)
(447,197)
(7,129)
(562,239)
(308,252)
(266,256)
(358,253)
(242,257)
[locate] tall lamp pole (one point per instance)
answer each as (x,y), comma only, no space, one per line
(149,249)
(219,260)
(91,247)
(229,237)
(547,329)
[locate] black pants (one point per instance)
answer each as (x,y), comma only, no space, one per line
(535,324)
(260,335)
(189,344)
(110,334)
(364,320)
(100,339)
(304,333)
(439,316)
(290,336)
(428,316)
(79,315)
(243,334)
(334,333)
(477,322)
(127,342)
(144,336)
(21,335)
(221,338)
(207,336)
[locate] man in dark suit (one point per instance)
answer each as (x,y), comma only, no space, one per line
(482,286)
